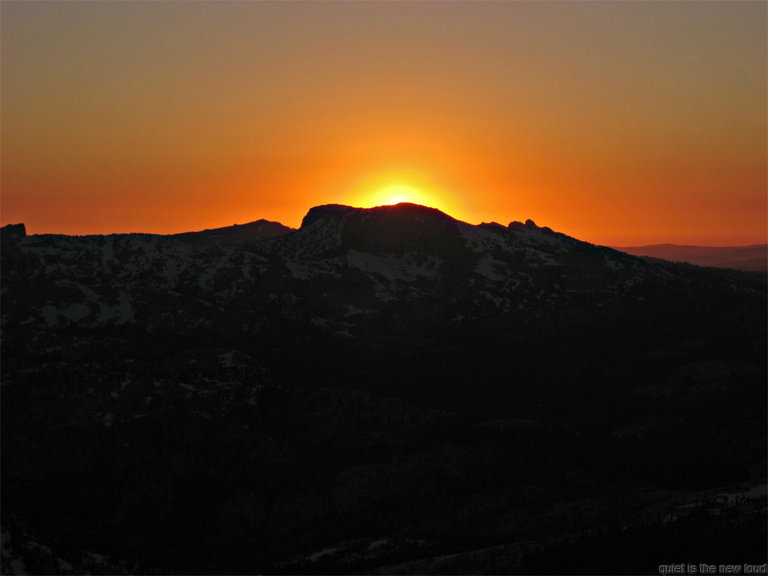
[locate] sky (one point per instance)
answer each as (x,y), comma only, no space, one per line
(619,123)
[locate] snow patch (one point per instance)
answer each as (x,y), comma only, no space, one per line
(538,257)
(377,543)
(392,268)
(227,359)
(479,239)
(74,312)
(97,558)
(120,313)
(754,493)
(487,267)
(354,311)
(313,269)
(324,552)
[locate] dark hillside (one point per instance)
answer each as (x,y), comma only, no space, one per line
(386,390)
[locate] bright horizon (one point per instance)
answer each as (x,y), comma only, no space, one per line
(618,123)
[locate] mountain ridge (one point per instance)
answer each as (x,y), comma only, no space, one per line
(750,257)
(745,257)
(380,387)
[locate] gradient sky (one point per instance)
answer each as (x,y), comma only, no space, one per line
(616,122)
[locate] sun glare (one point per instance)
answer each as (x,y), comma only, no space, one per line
(394,187)
(395,194)
(398,194)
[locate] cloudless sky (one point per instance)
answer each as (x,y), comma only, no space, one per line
(617,122)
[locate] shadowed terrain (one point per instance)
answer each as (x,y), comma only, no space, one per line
(384,390)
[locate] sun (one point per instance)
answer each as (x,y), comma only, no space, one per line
(396,194)
(387,187)
(393,187)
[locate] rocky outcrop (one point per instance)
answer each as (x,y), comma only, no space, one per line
(12,233)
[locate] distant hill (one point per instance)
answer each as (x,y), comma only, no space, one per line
(238,233)
(754,257)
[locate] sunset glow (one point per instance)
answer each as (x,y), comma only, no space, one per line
(398,194)
(395,186)
(620,123)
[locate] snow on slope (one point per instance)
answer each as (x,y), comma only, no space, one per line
(341,259)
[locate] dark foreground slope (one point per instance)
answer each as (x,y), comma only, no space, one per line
(385,390)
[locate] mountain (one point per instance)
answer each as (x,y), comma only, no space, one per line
(238,234)
(382,390)
(754,257)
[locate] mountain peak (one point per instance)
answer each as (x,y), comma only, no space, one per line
(392,228)
(239,233)
(401,211)
(325,211)
(13,233)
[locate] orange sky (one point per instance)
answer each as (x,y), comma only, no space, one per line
(619,123)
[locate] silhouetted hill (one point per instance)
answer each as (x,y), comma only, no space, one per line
(12,233)
(384,390)
(239,233)
(754,257)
